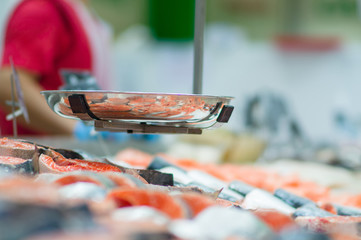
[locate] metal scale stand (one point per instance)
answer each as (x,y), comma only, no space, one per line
(211,111)
(16,87)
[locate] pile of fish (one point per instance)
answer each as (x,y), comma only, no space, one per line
(48,193)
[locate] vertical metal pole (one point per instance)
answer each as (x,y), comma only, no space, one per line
(359,8)
(15,130)
(200,18)
(293,13)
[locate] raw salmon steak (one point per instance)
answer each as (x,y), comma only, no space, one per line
(15,148)
(60,164)
(142,197)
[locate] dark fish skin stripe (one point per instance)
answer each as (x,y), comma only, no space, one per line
(69,154)
(347,211)
(227,197)
(152,236)
(23,168)
(159,163)
(237,207)
(292,199)
(157,178)
(240,187)
(311,210)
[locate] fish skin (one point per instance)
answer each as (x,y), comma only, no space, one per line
(311,210)
(260,199)
(240,187)
(185,189)
(202,187)
(156,177)
(301,234)
(24,167)
(69,154)
(291,199)
(180,177)
(227,194)
(205,182)
(206,179)
(212,182)
(213,192)
(159,163)
(153,236)
(347,211)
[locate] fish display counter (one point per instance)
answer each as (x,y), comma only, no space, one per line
(48,192)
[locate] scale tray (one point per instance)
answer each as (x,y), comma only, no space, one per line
(156,109)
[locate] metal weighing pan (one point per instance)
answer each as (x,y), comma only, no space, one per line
(142,112)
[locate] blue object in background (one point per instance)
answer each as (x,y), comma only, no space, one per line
(82,131)
(85,132)
(146,137)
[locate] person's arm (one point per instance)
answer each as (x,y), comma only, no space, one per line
(42,118)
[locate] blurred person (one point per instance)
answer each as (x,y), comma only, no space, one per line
(43,37)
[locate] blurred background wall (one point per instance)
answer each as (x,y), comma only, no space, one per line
(261,19)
